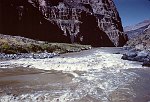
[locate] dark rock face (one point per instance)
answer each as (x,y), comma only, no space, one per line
(94,22)
(146,63)
(19,17)
(91,34)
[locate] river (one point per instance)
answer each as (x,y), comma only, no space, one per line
(96,75)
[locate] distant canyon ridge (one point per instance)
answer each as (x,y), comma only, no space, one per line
(93,22)
(139,35)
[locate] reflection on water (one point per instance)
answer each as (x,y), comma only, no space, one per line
(103,78)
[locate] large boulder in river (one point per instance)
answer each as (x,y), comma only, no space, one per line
(94,22)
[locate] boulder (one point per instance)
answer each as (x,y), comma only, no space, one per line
(142,54)
(130,53)
(146,63)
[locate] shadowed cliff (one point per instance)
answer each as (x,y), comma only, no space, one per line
(85,22)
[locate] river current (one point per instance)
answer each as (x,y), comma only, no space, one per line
(97,75)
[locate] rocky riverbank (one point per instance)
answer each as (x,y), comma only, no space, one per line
(138,55)
(139,47)
(4,56)
(12,47)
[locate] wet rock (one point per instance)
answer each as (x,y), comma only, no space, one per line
(117,53)
(130,55)
(43,55)
(146,63)
(136,55)
(142,54)
(8,93)
(124,57)
(27,55)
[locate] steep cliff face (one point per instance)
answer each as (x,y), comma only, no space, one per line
(20,17)
(94,22)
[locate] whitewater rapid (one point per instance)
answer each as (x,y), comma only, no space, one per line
(95,77)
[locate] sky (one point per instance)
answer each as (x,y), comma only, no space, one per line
(133,11)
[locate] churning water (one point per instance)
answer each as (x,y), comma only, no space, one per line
(99,76)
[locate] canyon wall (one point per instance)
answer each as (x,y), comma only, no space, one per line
(94,22)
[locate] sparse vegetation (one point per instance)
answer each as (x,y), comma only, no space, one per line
(15,44)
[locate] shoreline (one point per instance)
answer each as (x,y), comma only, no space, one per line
(133,54)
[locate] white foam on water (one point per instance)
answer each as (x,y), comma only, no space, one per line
(103,74)
(98,60)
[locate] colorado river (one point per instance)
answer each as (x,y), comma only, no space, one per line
(97,75)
